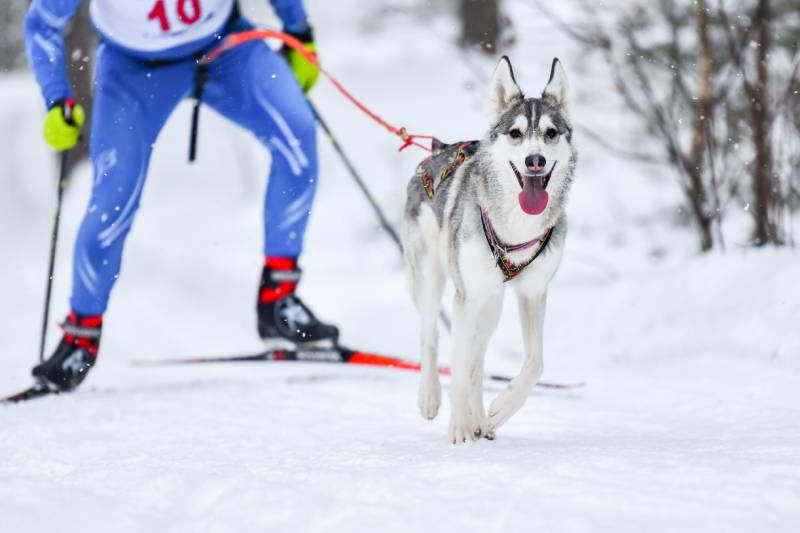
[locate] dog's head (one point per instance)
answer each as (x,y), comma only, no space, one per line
(531,138)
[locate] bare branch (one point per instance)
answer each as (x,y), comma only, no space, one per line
(621,152)
(589,38)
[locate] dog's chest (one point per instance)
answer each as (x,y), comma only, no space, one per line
(536,276)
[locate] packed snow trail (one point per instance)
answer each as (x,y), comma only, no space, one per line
(304,448)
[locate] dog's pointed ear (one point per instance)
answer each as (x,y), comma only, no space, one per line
(504,89)
(557,88)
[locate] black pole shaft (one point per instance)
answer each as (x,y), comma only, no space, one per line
(193,131)
(62,184)
(385,224)
(200,79)
(359,181)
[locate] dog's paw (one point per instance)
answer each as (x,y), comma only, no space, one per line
(429,398)
(460,430)
(459,433)
(480,426)
(503,407)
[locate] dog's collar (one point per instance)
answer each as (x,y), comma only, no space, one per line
(500,251)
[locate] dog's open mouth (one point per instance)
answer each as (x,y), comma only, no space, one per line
(533,197)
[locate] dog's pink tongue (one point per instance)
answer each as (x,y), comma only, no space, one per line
(533,198)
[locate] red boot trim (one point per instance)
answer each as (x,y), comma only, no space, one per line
(273,294)
(94,321)
(91,323)
(283,288)
(281,263)
(85,321)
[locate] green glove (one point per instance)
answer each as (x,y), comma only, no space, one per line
(62,125)
(305,72)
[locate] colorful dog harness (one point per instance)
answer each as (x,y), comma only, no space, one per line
(464,152)
(500,251)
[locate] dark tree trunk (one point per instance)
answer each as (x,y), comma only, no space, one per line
(80,45)
(480,24)
(703,115)
(12,13)
(763,186)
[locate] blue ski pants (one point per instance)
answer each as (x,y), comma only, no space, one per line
(252,86)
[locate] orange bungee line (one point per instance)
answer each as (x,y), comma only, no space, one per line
(235,39)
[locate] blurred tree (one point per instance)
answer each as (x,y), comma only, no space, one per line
(763,43)
(480,24)
(663,63)
(718,88)
(81,42)
(703,114)
(12,54)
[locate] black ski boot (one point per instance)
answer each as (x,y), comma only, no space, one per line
(284,321)
(75,355)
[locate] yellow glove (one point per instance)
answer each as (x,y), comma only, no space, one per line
(305,72)
(62,125)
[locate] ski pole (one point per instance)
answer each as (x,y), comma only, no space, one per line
(62,184)
(201,77)
(385,224)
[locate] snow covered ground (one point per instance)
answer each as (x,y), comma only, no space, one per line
(690,420)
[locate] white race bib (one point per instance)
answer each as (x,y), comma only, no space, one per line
(155,25)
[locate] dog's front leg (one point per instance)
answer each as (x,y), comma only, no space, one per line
(531,312)
(474,322)
(429,295)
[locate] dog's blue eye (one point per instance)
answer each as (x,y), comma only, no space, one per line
(515,134)
(551,133)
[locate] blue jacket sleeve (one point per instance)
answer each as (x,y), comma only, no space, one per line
(292,14)
(44,45)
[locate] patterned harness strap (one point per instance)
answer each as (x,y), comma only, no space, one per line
(464,152)
(500,251)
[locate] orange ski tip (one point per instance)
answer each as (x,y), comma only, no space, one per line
(362,358)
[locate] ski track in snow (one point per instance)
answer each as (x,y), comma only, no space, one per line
(689,422)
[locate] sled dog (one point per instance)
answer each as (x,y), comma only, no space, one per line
(490,214)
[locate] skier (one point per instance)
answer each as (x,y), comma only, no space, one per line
(146,64)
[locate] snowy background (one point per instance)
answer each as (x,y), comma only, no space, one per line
(690,420)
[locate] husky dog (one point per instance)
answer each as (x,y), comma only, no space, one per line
(490,214)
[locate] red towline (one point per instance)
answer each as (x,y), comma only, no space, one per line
(235,39)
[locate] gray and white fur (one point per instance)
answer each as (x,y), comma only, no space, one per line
(443,236)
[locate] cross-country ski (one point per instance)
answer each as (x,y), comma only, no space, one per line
(331,355)
(37,390)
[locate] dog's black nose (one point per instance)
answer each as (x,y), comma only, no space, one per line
(535,163)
